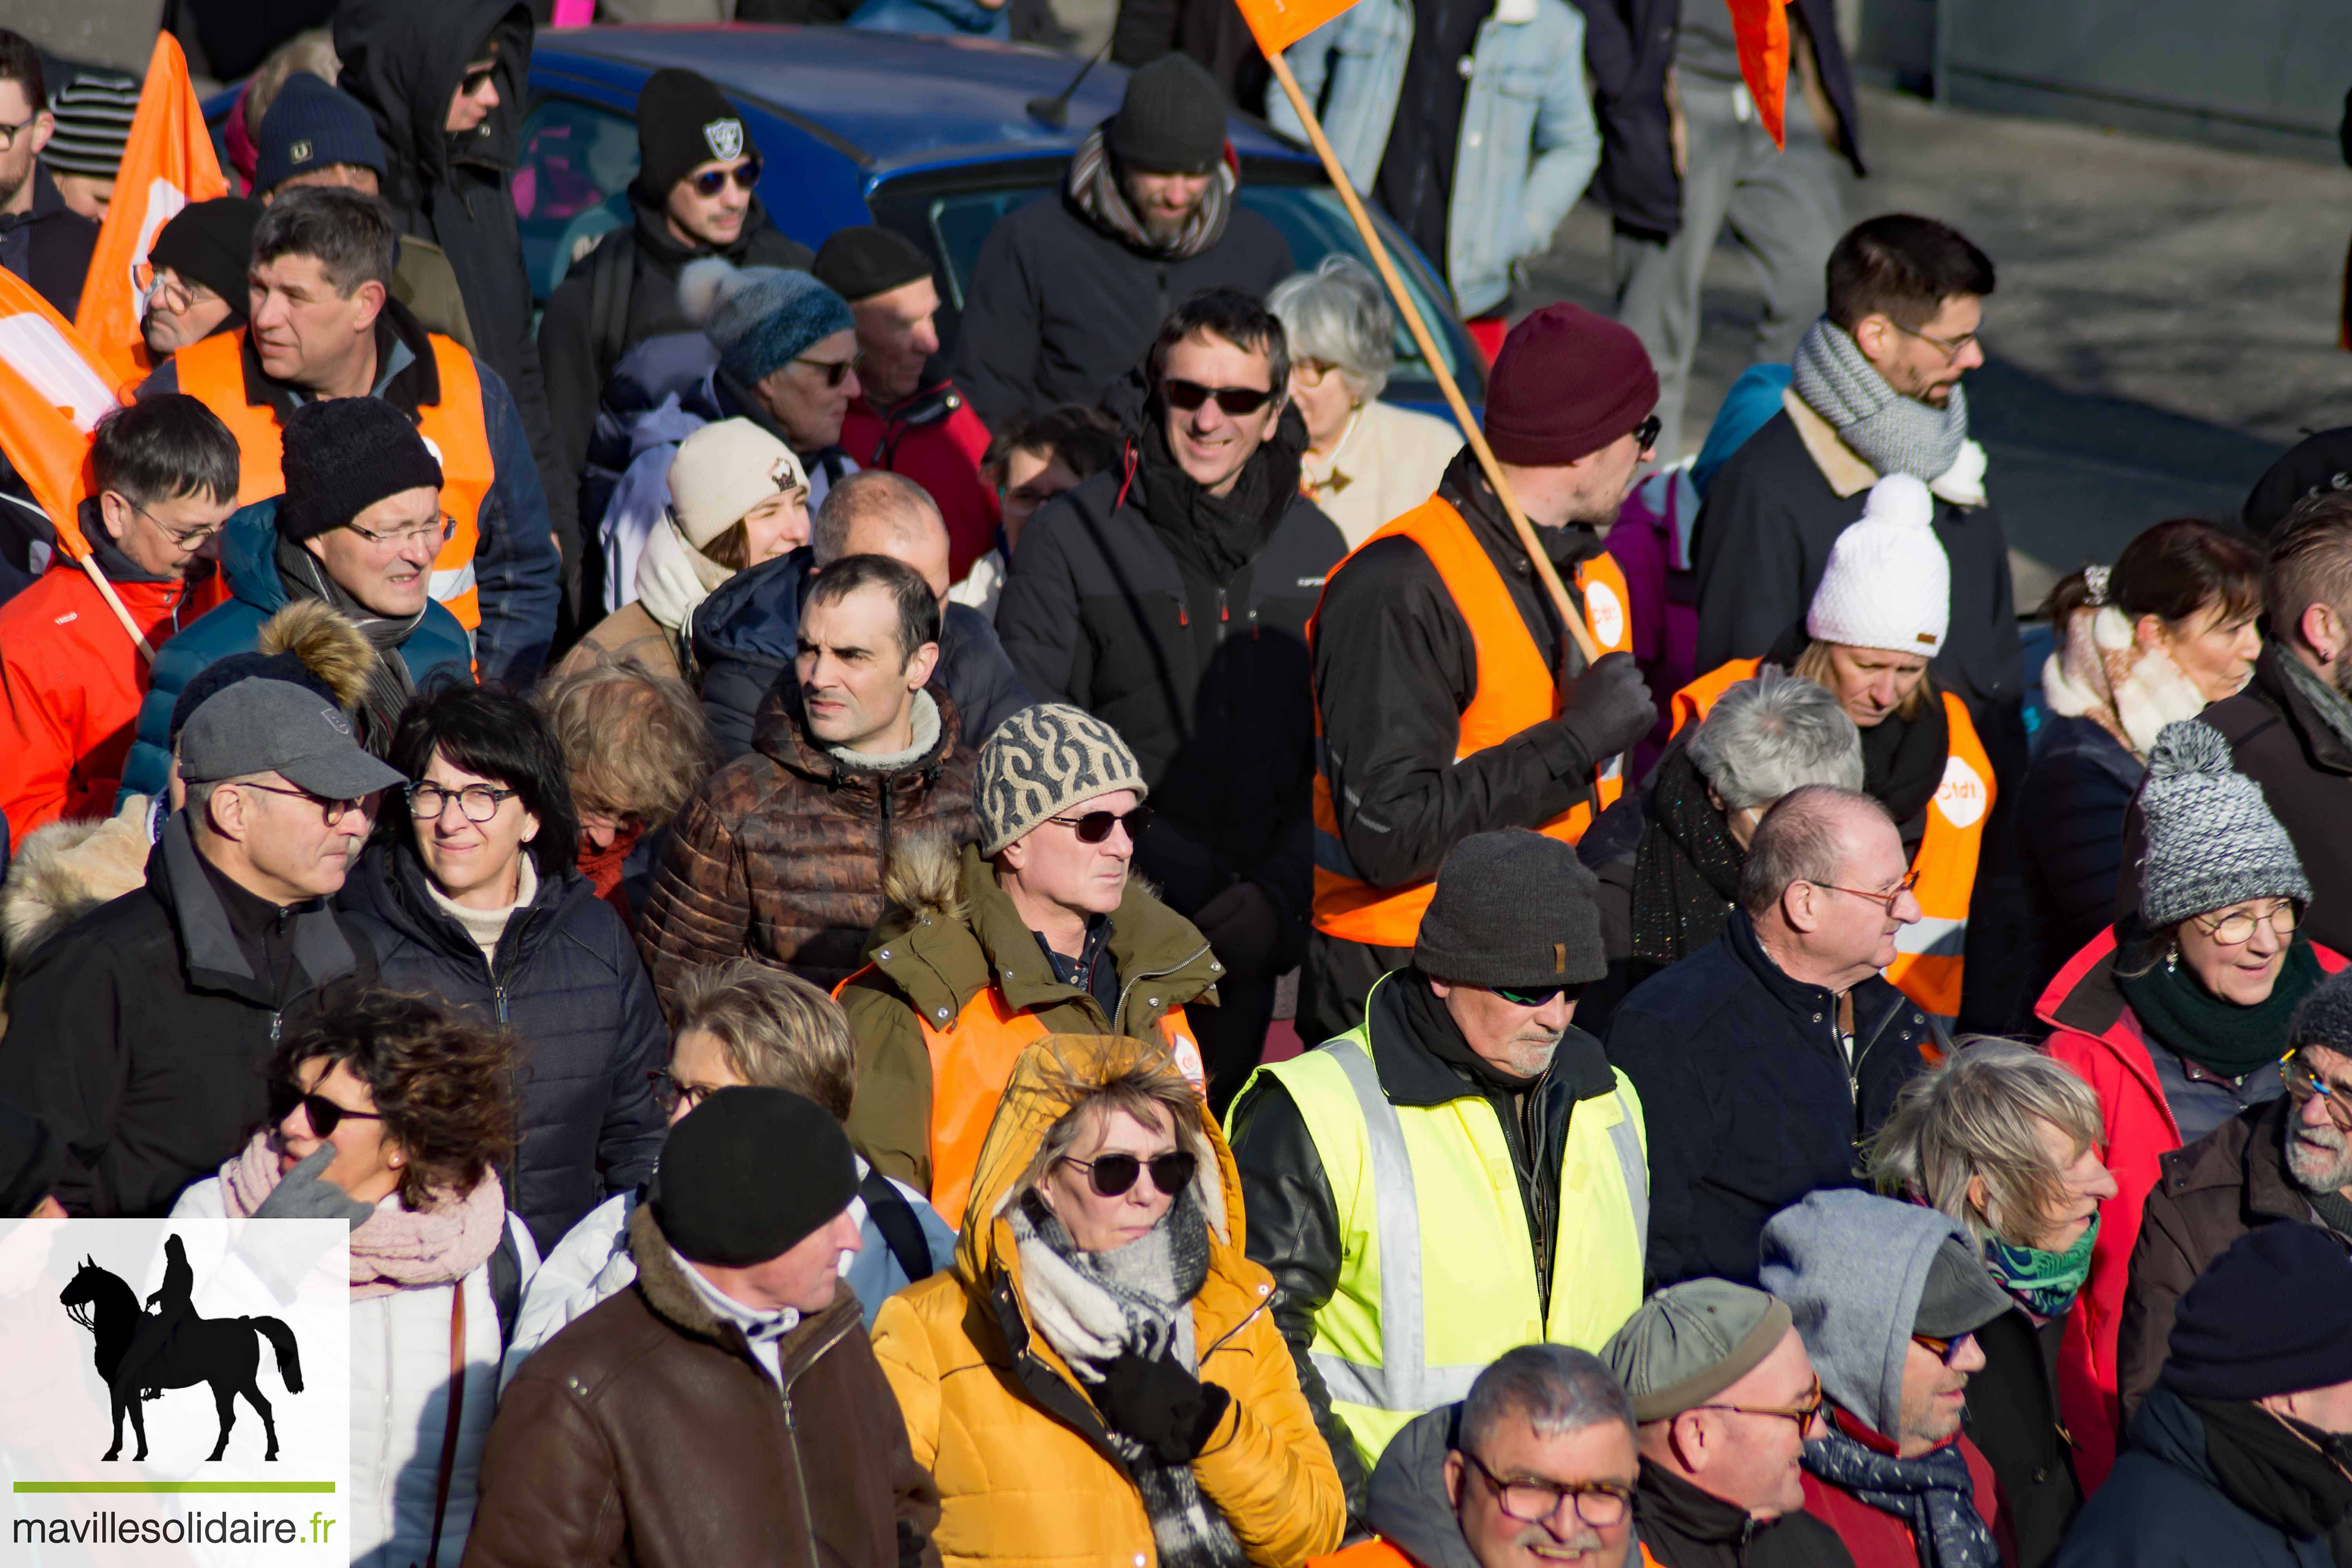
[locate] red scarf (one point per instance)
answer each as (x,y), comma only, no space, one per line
(602,868)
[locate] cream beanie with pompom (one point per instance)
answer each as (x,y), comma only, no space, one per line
(722,471)
(1888,585)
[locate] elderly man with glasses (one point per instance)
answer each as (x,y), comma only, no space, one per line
(1469,1064)
(1768,1053)
(357,529)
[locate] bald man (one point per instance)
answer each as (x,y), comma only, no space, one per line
(745,633)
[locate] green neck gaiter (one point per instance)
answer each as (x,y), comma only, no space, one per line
(2173,1005)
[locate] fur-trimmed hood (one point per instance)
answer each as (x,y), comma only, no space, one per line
(329,648)
(2100,672)
(66,869)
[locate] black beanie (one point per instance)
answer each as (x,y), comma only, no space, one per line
(344,455)
(2271,1315)
(683,121)
(750,1173)
(211,243)
(1512,908)
(864,261)
(1171,121)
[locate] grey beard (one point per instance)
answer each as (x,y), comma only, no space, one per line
(2313,1172)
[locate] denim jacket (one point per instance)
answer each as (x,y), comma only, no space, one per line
(1529,140)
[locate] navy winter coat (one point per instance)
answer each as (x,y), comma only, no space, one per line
(2080,784)
(569,982)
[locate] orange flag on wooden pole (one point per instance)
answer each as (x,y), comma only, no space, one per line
(1762,30)
(167,164)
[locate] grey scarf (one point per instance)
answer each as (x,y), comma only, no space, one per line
(1892,433)
(390,686)
(1092,1307)
(1094,185)
(2334,709)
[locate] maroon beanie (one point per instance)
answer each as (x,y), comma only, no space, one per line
(1566,383)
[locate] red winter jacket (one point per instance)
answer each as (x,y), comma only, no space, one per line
(1875,1538)
(2096,1035)
(70,684)
(935,439)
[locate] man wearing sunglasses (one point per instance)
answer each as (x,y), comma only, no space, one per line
(1726,1398)
(1469,1063)
(1449,700)
(1169,596)
(140,1033)
(1889,1297)
(694,195)
(71,679)
(2288,1159)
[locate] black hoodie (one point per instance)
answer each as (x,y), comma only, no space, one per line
(404,58)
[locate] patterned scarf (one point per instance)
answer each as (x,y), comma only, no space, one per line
(1094,185)
(396,1247)
(1933,1494)
(1092,1307)
(2045,1282)
(1892,433)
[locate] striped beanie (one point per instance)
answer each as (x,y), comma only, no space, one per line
(93,113)
(2211,839)
(1042,762)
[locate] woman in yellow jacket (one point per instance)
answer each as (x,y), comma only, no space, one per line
(1097,1380)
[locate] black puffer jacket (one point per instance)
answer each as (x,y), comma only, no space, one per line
(404,58)
(569,982)
(1204,677)
(2081,784)
(1749,1097)
(746,631)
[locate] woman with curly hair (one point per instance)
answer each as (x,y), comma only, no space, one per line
(389,1114)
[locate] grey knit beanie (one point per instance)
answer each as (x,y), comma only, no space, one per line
(2211,839)
(1512,908)
(2324,1018)
(1042,762)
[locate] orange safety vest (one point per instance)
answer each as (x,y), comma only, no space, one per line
(1515,691)
(972,1061)
(212,371)
(1928,957)
(1378,1553)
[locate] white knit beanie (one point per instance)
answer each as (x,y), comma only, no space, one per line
(1888,585)
(722,471)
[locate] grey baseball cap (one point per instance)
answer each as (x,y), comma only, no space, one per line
(1960,1296)
(275,726)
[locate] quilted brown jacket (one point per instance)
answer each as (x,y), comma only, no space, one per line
(780,855)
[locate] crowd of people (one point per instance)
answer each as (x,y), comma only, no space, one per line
(755,856)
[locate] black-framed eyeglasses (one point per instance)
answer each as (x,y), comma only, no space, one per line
(1604,1505)
(670,1091)
(1114,1175)
(8,133)
(1237,401)
(1907,884)
(1534,997)
(478,802)
(2302,1083)
(334,811)
(1095,827)
(1951,350)
(1942,1347)
(836,371)
(442,529)
(181,538)
(324,1114)
(1646,434)
(1804,1413)
(710,182)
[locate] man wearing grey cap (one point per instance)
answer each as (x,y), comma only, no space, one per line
(1725,1397)
(1889,1297)
(1467,1062)
(139,1033)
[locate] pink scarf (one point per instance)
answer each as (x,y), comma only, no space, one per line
(398,1248)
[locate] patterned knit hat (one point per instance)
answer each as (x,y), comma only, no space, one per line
(2211,839)
(1888,585)
(1039,762)
(760,319)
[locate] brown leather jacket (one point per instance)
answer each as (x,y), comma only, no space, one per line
(647,1434)
(780,855)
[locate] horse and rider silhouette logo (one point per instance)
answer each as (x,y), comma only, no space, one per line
(141,1354)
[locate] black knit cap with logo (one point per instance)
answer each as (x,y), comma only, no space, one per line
(1513,909)
(683,122)
(344,455)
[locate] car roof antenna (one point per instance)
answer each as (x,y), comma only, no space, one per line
(1055,110)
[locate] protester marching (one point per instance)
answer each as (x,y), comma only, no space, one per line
(942,890)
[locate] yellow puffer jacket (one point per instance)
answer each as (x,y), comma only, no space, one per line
(1021,1456)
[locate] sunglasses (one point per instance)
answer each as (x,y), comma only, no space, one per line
(1096,826)
(1941,1347)
(1187,395)
(1113,1175)
(1541,997)
(324,1114)
(835,369)
(475,80)
(1645,434)
(710,182)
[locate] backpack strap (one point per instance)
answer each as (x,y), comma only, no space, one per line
(611,274)
(902,1233)
(506,1284)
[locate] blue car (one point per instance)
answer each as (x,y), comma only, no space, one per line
(933,137)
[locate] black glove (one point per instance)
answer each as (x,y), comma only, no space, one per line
(1160,1405)
(1608,708)
(1244,929)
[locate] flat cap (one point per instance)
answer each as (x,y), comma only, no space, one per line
(1690,1341)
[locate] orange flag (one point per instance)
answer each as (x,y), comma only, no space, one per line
(1278,24)
(53,388)
(167,163)
(1762,27)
